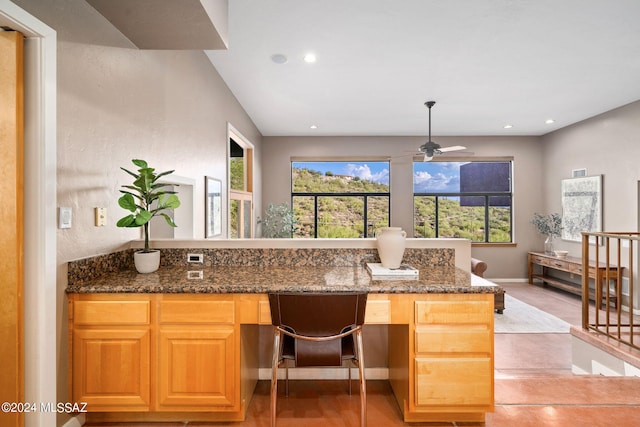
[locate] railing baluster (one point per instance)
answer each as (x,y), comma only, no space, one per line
(585,281)
(615,326)
(631,286)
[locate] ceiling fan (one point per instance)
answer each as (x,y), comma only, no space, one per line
(430,148)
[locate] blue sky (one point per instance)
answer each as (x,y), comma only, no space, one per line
(441,177)
(427,176)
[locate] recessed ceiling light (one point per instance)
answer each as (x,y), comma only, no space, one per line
(508,126)
(279,58)
(313,127)
(310,58)
(549,121)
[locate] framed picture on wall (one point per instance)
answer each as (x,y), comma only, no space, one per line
(213,207)
(581,206)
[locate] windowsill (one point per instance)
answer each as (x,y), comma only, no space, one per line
(501,245)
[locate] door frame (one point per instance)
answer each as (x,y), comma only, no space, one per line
(40,264)
(249,148)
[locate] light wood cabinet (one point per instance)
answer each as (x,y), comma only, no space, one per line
(111,351)
(196,353)
(171,357)
(162,354)
(451,358)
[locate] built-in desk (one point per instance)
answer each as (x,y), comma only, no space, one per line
(602,274)
(174,345)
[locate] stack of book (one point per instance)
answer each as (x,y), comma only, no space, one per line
(378,272)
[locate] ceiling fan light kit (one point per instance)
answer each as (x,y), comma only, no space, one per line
(431,148)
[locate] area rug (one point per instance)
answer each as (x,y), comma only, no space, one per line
(521,318)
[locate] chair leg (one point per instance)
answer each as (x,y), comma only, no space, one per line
(274,376)
(363,383)
(286,378)
(349,368)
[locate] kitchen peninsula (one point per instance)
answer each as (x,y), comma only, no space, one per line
(184,342)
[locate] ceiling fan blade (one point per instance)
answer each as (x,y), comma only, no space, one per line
(453,148)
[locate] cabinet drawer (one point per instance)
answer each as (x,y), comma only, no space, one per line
(575,268)
(454,382)
(539,260)
(111,312)
(454,312)
(197,311)
(448,339)
(558,264)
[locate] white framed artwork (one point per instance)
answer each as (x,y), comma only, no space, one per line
(581,206)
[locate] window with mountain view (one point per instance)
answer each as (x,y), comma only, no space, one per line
(340,199)
(470,200)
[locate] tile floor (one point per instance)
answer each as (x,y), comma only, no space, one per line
(534,386)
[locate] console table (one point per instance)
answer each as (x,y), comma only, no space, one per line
(573,265)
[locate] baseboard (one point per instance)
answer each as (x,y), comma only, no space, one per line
(325,373)
(76,421)
(525,280)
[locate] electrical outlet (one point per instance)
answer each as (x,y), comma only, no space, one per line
(195,258)
(195,275)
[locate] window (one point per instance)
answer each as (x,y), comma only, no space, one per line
(240,187)
(470,200)
(340,199)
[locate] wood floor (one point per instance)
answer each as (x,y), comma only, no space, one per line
(534,386)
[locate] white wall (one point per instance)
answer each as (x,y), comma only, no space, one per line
(607,145)
(116,103)
(505,261)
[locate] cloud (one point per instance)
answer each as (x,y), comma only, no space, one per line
(363,171)
(424,182)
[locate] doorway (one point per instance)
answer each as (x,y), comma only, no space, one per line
(40,296)
(240,167)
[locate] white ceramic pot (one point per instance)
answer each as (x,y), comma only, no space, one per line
(391,242)
(146,262)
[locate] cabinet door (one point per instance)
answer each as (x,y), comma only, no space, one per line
(196,368)
(111,368)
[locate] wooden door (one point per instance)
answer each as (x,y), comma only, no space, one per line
(111,351)
(11,224)
(196,368)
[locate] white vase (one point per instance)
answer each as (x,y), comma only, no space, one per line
(146,262)
(391,242)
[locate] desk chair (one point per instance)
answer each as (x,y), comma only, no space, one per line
(317,330)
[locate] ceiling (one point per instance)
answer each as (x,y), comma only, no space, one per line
(487,63)
(160,24)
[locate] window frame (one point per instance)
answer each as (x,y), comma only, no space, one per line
(486,194)
(364,195)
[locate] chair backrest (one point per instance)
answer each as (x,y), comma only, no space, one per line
(317,315)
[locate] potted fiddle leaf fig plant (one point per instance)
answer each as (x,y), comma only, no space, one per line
(145,199)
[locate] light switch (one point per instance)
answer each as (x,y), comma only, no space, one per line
(101,217)
(64,217)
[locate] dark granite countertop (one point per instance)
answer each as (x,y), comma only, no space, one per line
(264,279)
